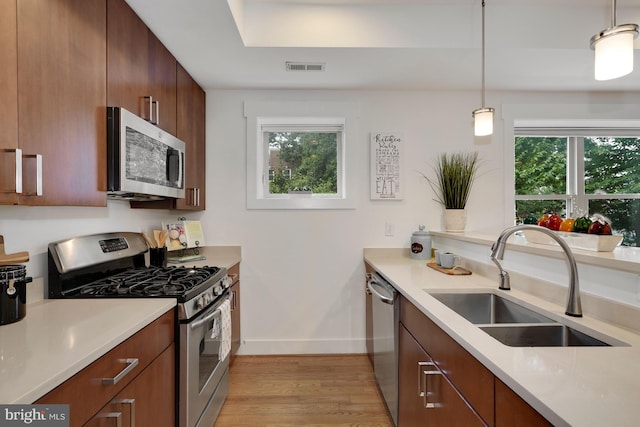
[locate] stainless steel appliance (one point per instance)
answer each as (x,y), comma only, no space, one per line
(386,317)
(112,265)
(143,161)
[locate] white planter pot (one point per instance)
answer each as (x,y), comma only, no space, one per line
(455,220)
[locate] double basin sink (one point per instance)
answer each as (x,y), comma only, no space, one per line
(516,325)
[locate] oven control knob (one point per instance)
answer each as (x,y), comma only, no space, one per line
(207,298)
(217,290)
(200,303)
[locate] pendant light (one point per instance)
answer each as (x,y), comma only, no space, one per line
(483,117)
(614,49)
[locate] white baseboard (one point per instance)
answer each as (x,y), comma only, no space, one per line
(337,346)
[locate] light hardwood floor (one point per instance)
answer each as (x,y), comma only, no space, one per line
(334,390)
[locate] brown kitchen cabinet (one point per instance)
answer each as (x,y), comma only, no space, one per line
(141,72)
(136,379)
(54,105)
(234,273)
(424,346)
(191,129)
(426,396)
(512,410)
(368,313)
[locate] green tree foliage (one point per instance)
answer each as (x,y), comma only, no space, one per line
(612,165)
(312,158)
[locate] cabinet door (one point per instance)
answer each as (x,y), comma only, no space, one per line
(149,400)
(511,410)
(8,101)
(162,84)
(127,59)
(191,129)
(61,95)
(426,396)
(234,272)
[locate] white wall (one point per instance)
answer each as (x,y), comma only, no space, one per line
(302,271)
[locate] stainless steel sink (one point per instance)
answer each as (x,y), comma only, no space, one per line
(517,326)
(488,308)
(556,335)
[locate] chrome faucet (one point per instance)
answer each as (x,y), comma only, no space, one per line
(574,306)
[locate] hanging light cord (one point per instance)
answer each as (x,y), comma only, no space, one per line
(483,53)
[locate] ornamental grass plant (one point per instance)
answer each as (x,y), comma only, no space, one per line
(455,174)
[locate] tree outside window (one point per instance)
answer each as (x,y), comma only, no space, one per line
(303,161)
(551,175)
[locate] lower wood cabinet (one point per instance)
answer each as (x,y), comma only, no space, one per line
(234,273)
(441,384)
(511,410)
(135,381)
(426,396)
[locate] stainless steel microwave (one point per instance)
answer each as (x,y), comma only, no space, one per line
(143,161)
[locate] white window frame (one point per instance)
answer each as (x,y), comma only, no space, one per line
(577,200)
(305,114)
(579,116)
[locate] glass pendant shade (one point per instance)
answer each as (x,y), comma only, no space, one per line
(614,51)
(483,121)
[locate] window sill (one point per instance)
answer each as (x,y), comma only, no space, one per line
(623,258)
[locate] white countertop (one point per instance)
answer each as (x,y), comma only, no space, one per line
(577,386)
(58,338)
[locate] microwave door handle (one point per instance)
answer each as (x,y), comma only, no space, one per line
(173,165)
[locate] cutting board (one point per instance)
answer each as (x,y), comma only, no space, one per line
(455,271)
(16,258)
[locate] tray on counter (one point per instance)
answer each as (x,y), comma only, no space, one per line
(589,242)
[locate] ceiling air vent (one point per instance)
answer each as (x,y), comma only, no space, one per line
(305,66)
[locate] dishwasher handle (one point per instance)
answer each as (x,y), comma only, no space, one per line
(382,290)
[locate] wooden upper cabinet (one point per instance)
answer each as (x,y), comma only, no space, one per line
(162,84)
(61,96)
(191,130)
(139,68)
(8,101)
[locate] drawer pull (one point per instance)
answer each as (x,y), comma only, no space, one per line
(131,363)
(421,368)
(116,415)
(427,393)
(132,412)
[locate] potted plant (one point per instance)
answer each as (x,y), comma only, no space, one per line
(455,174)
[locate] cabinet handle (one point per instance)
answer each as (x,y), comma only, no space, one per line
(18,167)
(116,415)
(131,363)
(157,122)
(38,158)
(150,99)
(421,369)
(132,412)
(425,396)
(197,197)
(233,300)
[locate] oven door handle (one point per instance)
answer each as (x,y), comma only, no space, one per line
(205,319)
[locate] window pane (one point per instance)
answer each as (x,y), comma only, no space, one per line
(611,165)
(539,207)
(311,159)
(624,215)
(540,165)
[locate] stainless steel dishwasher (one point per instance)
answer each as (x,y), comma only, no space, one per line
(385,310)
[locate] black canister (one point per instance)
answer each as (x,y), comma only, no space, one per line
(13,299)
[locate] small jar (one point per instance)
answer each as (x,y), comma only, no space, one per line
(421,244)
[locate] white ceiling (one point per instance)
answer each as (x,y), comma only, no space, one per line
(389,44)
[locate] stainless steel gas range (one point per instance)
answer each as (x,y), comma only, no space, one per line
(112,265)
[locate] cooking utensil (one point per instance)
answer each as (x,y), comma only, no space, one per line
(15,258)
(150,242)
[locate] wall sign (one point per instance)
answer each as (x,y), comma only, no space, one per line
(386,166)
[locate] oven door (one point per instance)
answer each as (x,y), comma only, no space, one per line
(203,374)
